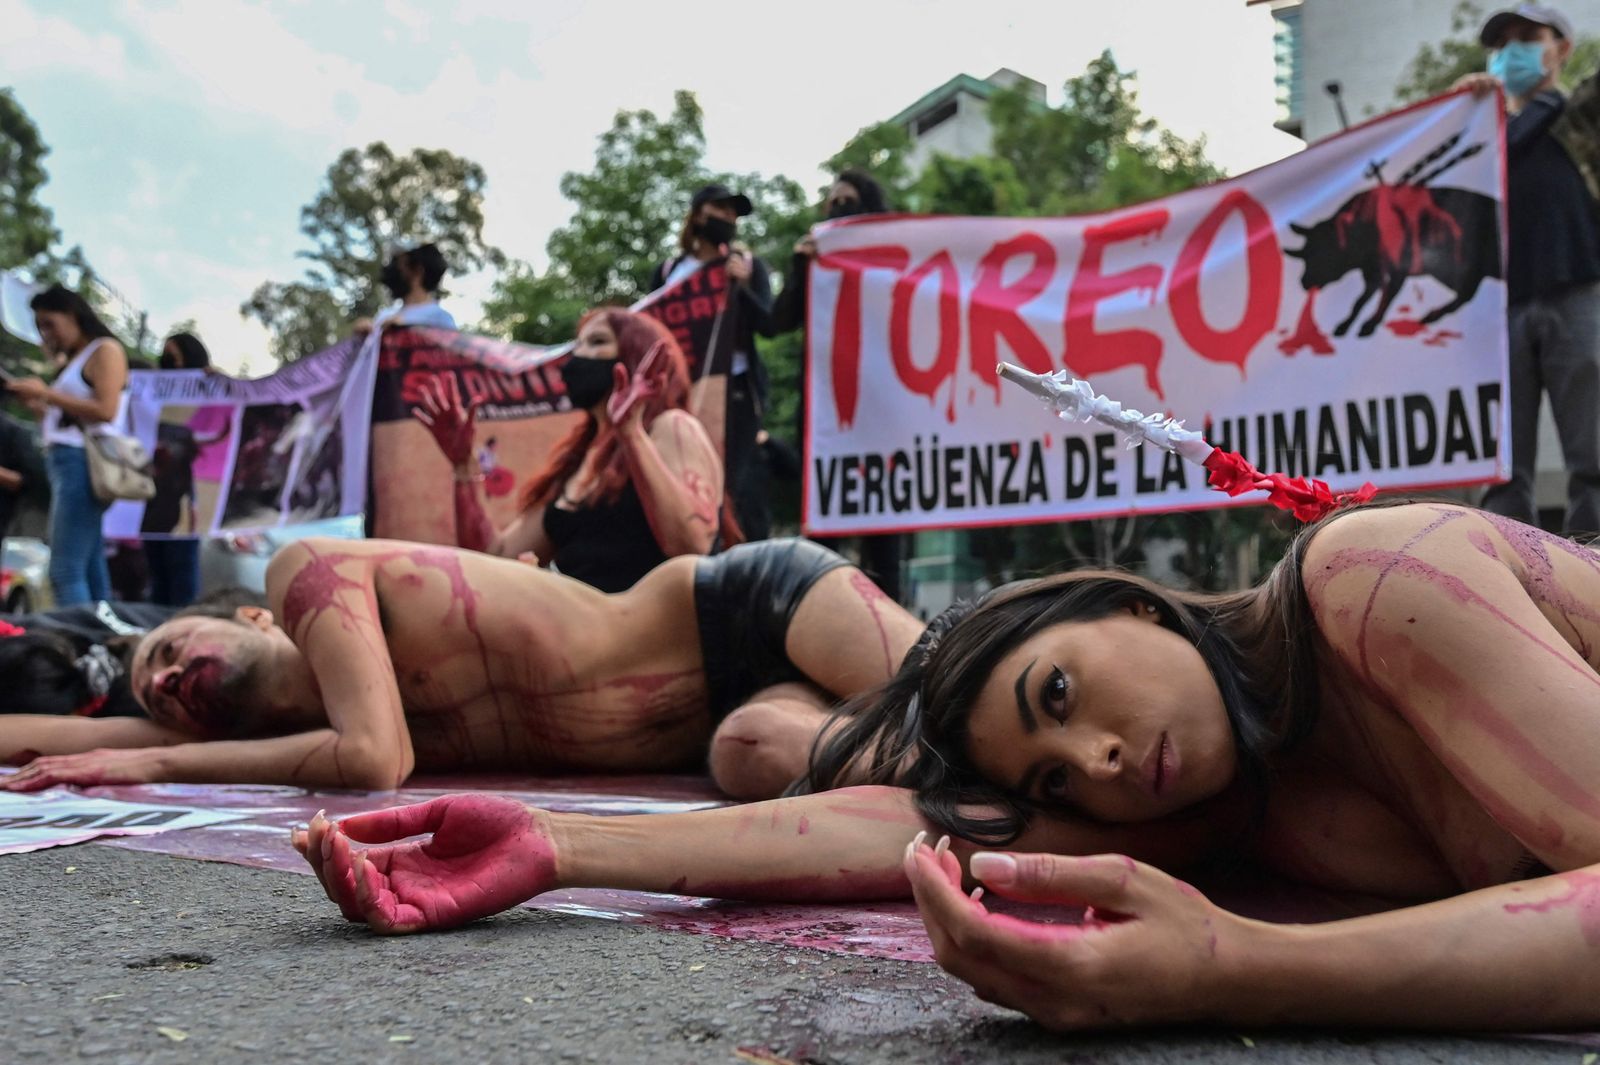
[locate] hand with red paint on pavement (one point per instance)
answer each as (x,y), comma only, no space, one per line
(1150,949)
(448,418)
(485,854)
(137,765)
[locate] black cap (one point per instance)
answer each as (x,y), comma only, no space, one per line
(721,194)
(1543,14)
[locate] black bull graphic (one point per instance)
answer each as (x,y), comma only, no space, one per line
(1394,232)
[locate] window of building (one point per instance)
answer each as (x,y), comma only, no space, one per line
(933,116)
(1288,57)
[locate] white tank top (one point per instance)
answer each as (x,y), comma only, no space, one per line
(71,382)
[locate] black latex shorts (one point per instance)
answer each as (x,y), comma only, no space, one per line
(744,600)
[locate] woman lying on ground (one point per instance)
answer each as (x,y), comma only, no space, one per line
(636,483)
(379,657)
(1408,707)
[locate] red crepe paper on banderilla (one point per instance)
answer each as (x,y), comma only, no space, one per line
(1308,498)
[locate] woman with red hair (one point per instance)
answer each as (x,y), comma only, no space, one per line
(636,483)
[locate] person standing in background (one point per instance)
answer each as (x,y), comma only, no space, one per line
(710,232)
(1553,261)
(91,389)
(174,560)
(854,192)
(22,473)
(413,277)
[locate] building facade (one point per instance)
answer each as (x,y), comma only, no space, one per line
(1364,47)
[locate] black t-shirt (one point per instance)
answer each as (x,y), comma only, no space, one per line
(608,547)
(1555,231)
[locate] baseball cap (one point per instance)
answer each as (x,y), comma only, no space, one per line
(721,194)
(1543,14)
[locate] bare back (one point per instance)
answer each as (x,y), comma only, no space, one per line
(1459,737)
(502,665)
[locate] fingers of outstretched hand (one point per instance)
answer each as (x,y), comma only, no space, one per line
(338,862)
(49,771)
(1104,881)
(380,907)
(398,822)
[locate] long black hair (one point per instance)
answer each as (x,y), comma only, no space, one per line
(62,300)
(192,354)
(912,732)
(873,200)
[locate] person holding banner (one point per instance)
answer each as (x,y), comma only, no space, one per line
(383,657)
(1403,714)
(730,378)
(412,277)
(1553,256)
(89,389)
(636,483)
(854,193)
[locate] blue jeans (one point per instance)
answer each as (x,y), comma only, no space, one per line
(174,570)
(77,550)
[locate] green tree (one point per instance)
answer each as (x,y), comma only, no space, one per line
(1438,66)
(882,150)
(1097,150)
(372,201)
(27,229)
(627,212)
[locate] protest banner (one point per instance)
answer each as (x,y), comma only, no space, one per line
(234,456)
(1339,315)
(514,386)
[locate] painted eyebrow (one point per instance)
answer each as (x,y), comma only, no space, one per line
(1024,711)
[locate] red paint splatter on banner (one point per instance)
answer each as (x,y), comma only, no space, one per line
(1306,333)
(1404,327)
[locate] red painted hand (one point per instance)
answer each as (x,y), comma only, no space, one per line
(451,421)
(134,765)
(1150,949)
(625,408)
(486,854)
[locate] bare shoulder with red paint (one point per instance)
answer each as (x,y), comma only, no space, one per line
(1477,633)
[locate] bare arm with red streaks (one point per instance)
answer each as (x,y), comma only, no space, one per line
(835,845)
(326,601)
(452,422)
(679,480)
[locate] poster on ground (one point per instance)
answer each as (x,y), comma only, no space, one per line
(1339,314)
(234,456)
(56,818)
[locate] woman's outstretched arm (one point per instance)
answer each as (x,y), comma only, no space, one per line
(832,846)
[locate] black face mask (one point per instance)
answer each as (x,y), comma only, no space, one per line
(588,381)
(844,209)
(394,280)
(717,231)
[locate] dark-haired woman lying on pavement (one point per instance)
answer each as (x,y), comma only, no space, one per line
(1408,707)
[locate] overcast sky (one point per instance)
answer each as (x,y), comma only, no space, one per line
(185,137)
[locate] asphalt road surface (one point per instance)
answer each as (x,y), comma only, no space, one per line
(146,958)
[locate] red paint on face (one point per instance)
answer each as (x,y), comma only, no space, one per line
(1583,896)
